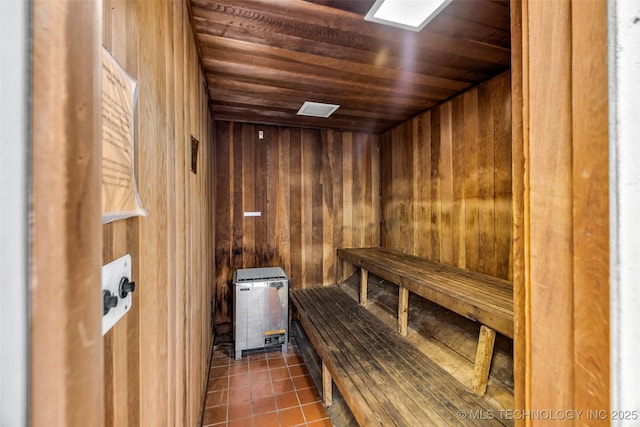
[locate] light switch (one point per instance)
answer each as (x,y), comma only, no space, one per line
(116,291)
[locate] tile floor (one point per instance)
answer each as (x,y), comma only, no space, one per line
(264,389)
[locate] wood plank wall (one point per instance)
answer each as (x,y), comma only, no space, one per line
(562,234)
(155,358)
(65,375)
(317,190)
(446,182)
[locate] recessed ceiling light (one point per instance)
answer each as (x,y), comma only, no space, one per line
(317,109)
(411,15)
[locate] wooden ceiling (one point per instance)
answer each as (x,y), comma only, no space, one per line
(264,58)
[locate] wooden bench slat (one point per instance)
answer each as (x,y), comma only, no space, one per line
(380,369)
(409,359)
(479,297)
(425,383)
(384,379)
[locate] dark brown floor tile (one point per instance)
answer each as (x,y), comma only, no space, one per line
(294,359)
(279,373)
(239,394)
(282,386)
(266,420)
(286,400)
(276,354)
(239,410)
(314,411)
(263,405)
(216,398)
(219,372)
(298,370)
(308,395)
(291,417)
(303,382)
(218,384)
(214,415)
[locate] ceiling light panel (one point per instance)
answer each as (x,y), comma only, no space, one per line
(411,15)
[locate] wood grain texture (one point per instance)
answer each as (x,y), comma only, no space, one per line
(65,363)
(156,358)
(446,182)
(264,58)
(561,265)
(320,191)
(591,206)
(550,205)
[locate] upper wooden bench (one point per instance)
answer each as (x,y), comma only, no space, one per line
(479,297)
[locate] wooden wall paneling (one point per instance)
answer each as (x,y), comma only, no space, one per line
(446,185)
(550,205)
(152,146)
(501,101)
(436,185)
(386,189)
(519,148)
(236,201)
(223,228)
(171,283)
(249,196)
(338,201)
(306,206)
(66,346)
(471,182)
(458,165)
(374,225)
(486,213)
(181,141)
(303,193)
(441,166)
(591,340)
(347,199)
(284,199)
(317,219)
(328,194)
(167,328)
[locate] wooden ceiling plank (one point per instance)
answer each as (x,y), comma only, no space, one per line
(294,17)
(318,81)
(384,57)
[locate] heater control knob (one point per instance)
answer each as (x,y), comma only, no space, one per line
(109,301)
(126,286)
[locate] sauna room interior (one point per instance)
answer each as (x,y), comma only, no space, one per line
(470,158)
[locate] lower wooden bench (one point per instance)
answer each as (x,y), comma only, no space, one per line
(384,380)
(476,296)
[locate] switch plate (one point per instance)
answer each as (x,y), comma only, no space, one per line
(112,273)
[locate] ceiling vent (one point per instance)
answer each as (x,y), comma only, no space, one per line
(317,109)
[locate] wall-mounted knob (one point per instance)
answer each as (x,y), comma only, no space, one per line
(126,286)
(109,301)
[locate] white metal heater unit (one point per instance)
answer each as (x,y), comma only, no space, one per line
(261,308)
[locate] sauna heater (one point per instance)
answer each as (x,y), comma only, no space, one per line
(260,309)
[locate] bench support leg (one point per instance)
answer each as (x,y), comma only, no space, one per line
(483,360)
(327,386)
(364,280)
(403,310)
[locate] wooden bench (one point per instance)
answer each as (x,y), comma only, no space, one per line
(384,379)
(476,296)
